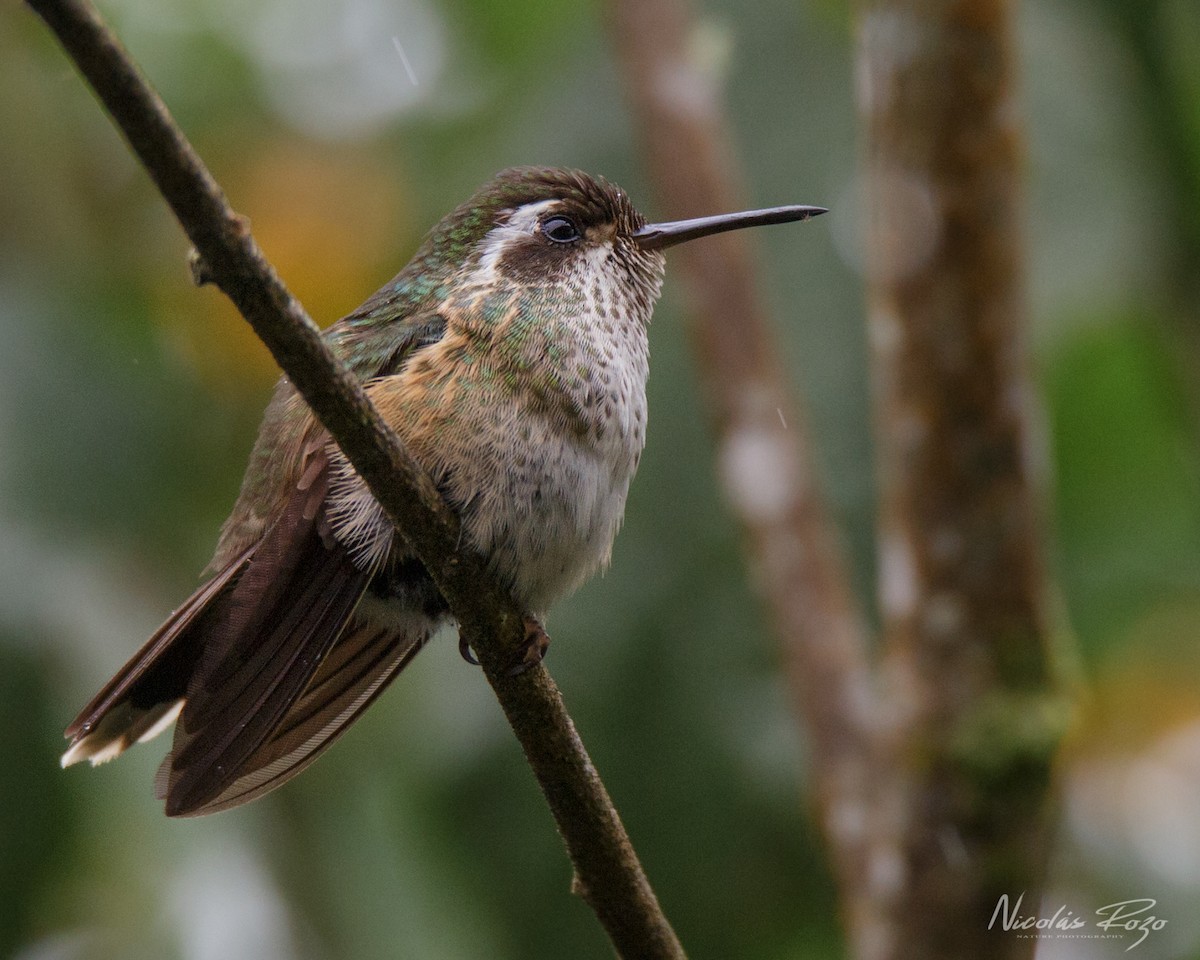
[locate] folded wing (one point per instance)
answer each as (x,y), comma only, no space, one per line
(266,665)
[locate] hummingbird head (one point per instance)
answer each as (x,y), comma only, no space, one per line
(544,228)
(541,227)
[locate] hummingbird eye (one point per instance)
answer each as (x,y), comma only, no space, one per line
(560,229)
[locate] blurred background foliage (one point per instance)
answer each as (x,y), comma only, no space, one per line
(129,400)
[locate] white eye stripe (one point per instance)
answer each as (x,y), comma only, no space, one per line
(521,223)
(525,218)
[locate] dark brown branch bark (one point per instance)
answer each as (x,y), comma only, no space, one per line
(608,872)
(764,449)
(962,585)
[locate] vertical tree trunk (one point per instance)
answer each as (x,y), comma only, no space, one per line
(765,455)
(973,714)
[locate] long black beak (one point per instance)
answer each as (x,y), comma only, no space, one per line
(659,236)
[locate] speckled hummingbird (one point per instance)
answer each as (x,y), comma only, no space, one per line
(511,357)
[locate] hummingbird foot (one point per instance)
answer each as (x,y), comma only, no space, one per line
(533,650)
(464,651)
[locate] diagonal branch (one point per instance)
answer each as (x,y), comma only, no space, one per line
(607,869)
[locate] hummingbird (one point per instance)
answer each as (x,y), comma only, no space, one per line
(511,357)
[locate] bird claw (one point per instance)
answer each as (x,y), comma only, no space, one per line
(533,651)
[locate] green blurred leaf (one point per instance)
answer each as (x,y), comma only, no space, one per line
(1128,474)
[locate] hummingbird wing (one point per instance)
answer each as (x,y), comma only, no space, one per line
(373,343)
(266,640)
(266,664)
(262,669)
(355,672)
(290,667)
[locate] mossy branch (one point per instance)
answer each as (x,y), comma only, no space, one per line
(932,762)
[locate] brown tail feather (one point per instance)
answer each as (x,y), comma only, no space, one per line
(358,669)
(150,685)
(223,725)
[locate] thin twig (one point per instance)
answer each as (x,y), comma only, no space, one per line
(763,444)
(607,869)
